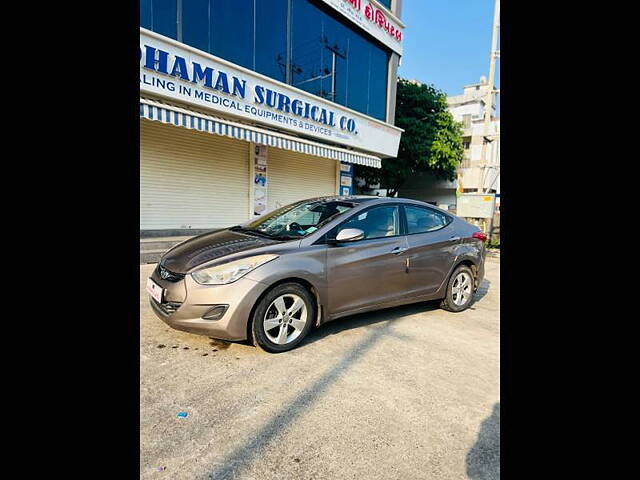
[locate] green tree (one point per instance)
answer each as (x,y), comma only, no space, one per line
(431,141)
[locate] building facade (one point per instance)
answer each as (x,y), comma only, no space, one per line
(476,175)
(248,105)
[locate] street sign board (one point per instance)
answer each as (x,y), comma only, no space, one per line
(476,205)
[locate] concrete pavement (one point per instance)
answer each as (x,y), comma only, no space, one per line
(408,392)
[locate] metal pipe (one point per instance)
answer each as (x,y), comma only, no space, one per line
(488,104)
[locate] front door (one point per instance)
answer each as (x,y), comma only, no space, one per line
(368,271)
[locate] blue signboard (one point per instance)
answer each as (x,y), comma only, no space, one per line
(346,179)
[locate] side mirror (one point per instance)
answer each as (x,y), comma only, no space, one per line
(349,235)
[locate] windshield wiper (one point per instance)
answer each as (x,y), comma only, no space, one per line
(260,233)
(241,229)
(287,237)
(238,228)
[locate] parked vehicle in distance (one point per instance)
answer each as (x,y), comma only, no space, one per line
(272,279)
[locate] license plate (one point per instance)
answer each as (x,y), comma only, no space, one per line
(154,290)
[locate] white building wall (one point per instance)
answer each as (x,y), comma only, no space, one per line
(458,112)
(472,175)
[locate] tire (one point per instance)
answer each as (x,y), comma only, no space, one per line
(266,322)
(453,302)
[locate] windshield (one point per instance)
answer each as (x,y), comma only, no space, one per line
(299,219)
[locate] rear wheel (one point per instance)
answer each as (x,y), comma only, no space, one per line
(283,317)
(460,290)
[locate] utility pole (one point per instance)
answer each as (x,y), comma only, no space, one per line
(335,52)
(488,104)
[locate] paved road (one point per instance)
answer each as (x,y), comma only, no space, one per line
(403,393)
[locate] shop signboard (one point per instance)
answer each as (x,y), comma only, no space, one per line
(260,178)
(179,72)
(346,179)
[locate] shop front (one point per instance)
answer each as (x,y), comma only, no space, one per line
(221,144)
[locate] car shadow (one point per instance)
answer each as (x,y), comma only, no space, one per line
(261,442)
(483,289)
(483,460)
(368,319)
(383,315)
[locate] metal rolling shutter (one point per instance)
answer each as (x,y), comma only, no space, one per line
(191,179)
(294,176)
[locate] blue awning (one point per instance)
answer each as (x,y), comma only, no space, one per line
(182,117)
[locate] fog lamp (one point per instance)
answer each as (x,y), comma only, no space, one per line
(216,313)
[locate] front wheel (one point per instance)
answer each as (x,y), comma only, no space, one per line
(283,317)
(460,290)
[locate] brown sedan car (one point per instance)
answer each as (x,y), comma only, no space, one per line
(272,279)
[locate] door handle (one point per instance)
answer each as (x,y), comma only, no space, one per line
(454,239)
(398,250)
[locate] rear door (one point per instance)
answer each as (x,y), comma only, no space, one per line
(431,241)
(369,271)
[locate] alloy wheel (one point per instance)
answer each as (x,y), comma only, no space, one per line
(461,288)
(285,319)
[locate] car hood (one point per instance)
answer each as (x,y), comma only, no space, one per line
(207,247)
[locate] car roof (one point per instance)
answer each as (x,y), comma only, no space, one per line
(342,198)
(358,199)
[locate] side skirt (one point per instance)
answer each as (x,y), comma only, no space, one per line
(379,306)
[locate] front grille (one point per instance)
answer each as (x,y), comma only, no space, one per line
(168,275)
(167,307)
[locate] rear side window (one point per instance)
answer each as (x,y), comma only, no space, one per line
(420,220)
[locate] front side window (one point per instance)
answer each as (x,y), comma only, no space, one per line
(421,220)
(297,220)
(378,222)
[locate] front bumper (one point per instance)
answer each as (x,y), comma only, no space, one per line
(186,301)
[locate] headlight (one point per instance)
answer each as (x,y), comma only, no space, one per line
(230,272)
